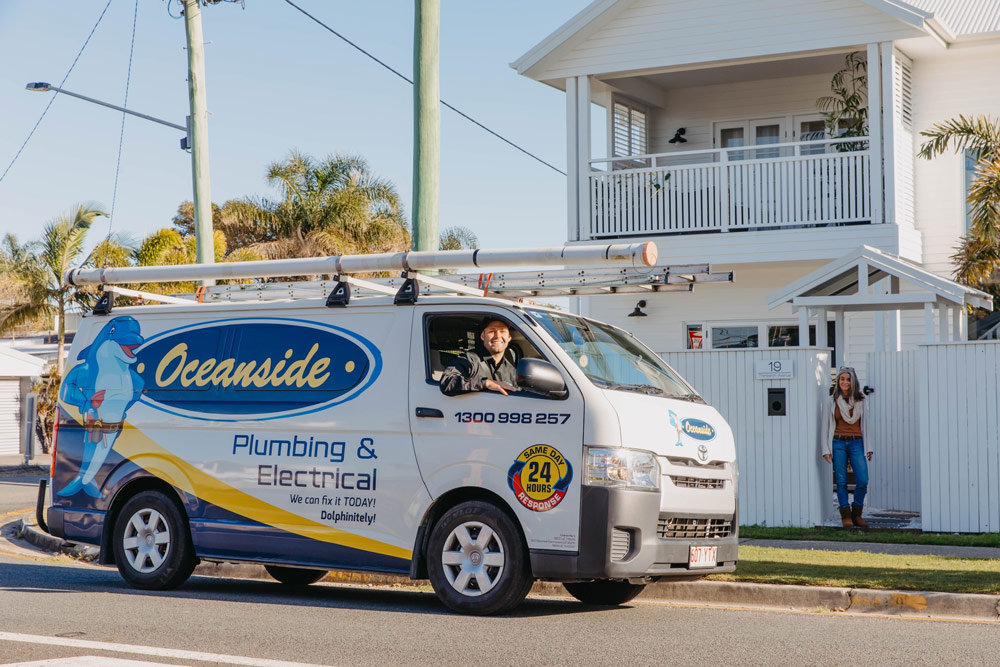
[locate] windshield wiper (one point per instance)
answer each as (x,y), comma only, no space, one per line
(694,398)
(643,388)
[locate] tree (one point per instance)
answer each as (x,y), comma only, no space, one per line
(846,109)
(458,238)
(331,207)
(35,272)
(977,257)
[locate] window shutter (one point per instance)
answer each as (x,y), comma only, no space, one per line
(629,131)
(903,75)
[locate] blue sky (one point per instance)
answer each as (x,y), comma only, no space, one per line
(277,81)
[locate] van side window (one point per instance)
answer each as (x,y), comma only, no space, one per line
(448,337)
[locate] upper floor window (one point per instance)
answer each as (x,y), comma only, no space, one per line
(969,175)
(629,130)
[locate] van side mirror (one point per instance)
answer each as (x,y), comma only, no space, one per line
(540,377)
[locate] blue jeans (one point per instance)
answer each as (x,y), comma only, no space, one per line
(855,451)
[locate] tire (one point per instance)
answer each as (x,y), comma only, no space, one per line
(604,593)
(477,560)
(151,542)
(295,576)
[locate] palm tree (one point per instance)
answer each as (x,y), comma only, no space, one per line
(334,206)
(977,257)
(35,272)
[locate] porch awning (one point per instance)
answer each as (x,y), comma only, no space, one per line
(844,284)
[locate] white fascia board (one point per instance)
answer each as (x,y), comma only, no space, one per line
(588,14)
(914,16)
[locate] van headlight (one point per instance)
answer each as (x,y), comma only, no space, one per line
(620,467)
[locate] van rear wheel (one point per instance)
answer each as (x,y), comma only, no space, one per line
(295,576)
(477,561)
(604,593)
(151,543)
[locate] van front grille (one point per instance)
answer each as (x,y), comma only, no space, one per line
(697,482)
(681,528)
(677,461)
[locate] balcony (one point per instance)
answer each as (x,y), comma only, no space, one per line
(806,184)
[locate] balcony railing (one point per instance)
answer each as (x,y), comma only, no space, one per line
(801,184)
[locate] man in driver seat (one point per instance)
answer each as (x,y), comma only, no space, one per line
(493,371)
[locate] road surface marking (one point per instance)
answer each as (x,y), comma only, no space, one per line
(149,650)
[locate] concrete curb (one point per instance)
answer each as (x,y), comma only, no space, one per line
(914,604)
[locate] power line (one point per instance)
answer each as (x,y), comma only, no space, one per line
(46,110)
(121,136)
(443,103)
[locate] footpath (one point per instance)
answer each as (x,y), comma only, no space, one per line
(913,604)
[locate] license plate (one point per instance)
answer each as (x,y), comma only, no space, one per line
(702,557)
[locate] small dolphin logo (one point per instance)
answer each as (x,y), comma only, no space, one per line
(103,387)
(673,422)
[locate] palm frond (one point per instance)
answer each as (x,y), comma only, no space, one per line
(980,135)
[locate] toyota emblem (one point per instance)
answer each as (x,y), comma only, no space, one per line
(703,452)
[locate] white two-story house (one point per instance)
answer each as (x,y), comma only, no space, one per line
(717,149)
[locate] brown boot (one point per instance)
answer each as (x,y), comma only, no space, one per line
(856,516)
(845,517)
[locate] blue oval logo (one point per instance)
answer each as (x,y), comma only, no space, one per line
(254,369)
(698,429)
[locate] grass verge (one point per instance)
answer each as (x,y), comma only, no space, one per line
(854,569)
(874,535)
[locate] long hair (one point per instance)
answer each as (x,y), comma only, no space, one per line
(855,393)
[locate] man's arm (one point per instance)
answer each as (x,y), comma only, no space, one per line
(458,378)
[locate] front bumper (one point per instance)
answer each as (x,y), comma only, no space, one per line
(607,516)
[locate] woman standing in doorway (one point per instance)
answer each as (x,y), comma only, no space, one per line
(846,438)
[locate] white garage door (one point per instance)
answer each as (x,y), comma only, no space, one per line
(10,416)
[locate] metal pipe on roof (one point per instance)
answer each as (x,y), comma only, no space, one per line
(618,254)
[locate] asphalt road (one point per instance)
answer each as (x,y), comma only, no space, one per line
(252,622)
(18,493)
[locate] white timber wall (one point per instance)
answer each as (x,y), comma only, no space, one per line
(697,108)
(946,84)
(651,33)
(783,480)
(959,423)
(893,426)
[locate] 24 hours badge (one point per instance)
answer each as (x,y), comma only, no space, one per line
(539,477)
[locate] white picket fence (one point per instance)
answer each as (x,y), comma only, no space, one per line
(780,185)
(783,480)
(959,400)
(894,427)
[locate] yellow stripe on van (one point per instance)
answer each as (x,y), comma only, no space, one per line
(136,446)
(145,452)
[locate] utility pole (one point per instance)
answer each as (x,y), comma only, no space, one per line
(426,124)
(198,120)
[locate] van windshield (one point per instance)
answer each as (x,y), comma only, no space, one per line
(612,359)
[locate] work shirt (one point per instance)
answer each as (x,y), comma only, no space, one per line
(471,371)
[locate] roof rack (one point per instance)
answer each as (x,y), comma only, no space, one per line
(626,268)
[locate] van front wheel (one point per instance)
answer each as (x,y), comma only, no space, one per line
(604,593)
(151,543)
(477,561)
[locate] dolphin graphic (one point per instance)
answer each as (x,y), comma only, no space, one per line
(673,422)
(103,387)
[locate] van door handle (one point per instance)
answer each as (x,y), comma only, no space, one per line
(430,412)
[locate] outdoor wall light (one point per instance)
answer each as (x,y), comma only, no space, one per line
(638,310)
(679,137)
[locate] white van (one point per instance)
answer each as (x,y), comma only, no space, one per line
(310,438)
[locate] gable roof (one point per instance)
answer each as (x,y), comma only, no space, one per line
(838,281)
(14,363)
(944,20)
(963,18)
